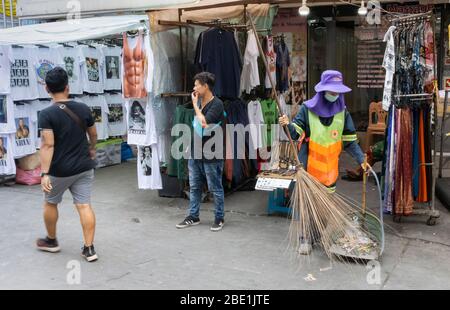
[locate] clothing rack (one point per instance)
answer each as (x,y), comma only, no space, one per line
(412,17)
(214,23)
(414,95)
(170,95)
(431,212)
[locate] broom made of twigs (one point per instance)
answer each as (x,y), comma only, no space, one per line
(317,213)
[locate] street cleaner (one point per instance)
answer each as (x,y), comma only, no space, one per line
(326,127)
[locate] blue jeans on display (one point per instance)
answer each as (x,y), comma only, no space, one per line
(199,171)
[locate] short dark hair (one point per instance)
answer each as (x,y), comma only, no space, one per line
(56,80)
(206,78)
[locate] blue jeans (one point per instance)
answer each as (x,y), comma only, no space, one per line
(212,172)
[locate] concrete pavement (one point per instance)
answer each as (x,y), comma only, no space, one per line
(140,248)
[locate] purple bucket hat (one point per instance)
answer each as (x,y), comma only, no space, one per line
(332,80)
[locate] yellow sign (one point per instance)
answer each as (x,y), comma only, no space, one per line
(8,7)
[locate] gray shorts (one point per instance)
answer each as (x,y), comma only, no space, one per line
(80,187)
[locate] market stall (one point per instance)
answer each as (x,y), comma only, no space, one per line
(99,55)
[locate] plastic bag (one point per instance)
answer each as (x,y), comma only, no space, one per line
(31,177)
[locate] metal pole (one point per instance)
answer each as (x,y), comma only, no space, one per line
(4,14)
(441,149)
(434,213)
(272,83)
(11,12)
(181,51)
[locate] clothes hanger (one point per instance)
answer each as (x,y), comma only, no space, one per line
(82,43)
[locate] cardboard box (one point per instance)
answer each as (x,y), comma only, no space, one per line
(440,106)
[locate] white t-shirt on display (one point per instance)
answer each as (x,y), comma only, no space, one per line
(7,163)
(256,121)
(117,116)
(6,59)
(24,143)
(271,58)
(149,175)
(100,111)
(7,124)
(140,122)
(250,71)
(24,83)
(47,59)
(112,70)
(36,107)
(150,64)
(73,60)
(92,69)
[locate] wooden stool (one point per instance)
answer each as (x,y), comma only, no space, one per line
(377,123)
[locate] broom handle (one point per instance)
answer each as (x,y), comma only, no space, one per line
(364,187)
(272,83)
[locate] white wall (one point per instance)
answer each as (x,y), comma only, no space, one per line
(50,7)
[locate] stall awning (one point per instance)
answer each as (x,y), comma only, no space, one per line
(68,31)
(59,9)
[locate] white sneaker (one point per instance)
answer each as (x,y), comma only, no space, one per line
(305,248)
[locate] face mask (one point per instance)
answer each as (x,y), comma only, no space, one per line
(331,98)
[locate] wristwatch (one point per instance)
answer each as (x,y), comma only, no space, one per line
(43,174)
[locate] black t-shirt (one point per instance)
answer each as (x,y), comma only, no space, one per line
(214,114)
(71,150)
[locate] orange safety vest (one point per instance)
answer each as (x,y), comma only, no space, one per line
(325,146)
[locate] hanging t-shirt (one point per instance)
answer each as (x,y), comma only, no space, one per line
(256,121)
(23,74)
(149,175)
(7,124)
(112,68)
(24,143)
(389,66)
(250,71)
(7,164)
(283,63)
(73,60)
(141,124)
(99,109)
(271,58)
(47,59)
(36,107)
(138,65)
(269,109)
(116,116)
(92,69)
(217,52)
(6,59)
